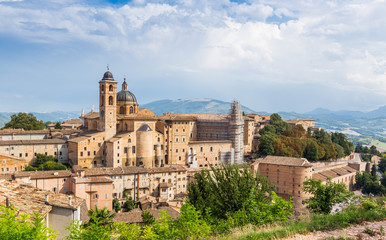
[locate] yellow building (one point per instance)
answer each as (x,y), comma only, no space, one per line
(122,134)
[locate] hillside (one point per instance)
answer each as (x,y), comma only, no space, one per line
(359,125)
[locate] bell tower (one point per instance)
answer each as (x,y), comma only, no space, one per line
(108,105)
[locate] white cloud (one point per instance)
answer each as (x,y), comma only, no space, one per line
(331,43)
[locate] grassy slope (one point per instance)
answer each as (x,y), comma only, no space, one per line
(310,224)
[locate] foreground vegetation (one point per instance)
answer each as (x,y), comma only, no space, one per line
(363,210)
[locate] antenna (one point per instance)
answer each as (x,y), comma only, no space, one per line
(108,68)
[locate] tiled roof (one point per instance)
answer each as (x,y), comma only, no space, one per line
(92,180)
(22,131)
(287,161)
(174,168)
(114,171)
(333,173)
(210,141)
(295,120)
(28,199)
(137,116)
(33,142)
(44,174)
(73,121)
(91,115)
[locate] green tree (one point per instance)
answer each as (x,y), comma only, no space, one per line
(382,165)
(359,148)
(341,139)
(227,190)
(116,205)
(101,216)
(41,159)
(30,168)
(129,203)
(147,217)
(93,229)
(190,224)
(51,165)
(324,196)
(58,126)
(25,121)
(266,144)
(322,136)
(374,170)
(14,225)
(311,151)
(374,150)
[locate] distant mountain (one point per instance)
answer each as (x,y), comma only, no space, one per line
(325,114)
(202,106)
(353,123)
(58,116)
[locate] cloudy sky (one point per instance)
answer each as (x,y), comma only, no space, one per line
(271,55)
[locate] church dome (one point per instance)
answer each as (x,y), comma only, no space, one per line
(108,76)
(126,96)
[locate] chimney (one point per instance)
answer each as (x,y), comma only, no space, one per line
(7,202)
(46,201)
(69,200)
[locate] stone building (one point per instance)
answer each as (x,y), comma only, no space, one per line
(10,164)
(122,134)
(288,175)
(28,149)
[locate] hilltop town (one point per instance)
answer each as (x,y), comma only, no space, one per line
(124,151)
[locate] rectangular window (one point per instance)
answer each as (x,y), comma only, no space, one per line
(133,149)
(88,153)
(81,154)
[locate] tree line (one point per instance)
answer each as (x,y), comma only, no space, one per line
(280,139)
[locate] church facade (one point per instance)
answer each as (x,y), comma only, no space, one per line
(122,134)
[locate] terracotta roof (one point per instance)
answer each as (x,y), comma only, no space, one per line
(73,121)
(32,142)
(134,216)
(6,176)
(174,168)
(92,180)
(28,199)
(91,115)
(295,120)
(333,173)
(114,171)
(22,131)
(138,116)
(44,174)
(210,141)
(288,161)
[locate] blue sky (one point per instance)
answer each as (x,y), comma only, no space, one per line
(270,55)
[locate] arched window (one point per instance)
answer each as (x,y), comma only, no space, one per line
(111,100)
(122,110)
(103,88)
(111,88)
(131,110)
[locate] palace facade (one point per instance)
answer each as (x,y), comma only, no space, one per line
(122,134)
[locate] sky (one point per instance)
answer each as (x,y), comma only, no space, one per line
(270,55)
